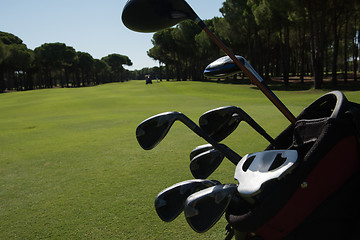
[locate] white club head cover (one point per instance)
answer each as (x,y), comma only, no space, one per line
(255,169)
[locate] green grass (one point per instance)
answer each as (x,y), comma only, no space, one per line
(71,168)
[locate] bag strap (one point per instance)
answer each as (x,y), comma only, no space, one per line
(354,111)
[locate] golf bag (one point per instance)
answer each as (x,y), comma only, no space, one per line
(319,199)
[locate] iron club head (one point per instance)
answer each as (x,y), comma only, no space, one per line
(155,15)
(204,164)
(152,131)
(221,122)
(200,149)
(170,202)
(204,208)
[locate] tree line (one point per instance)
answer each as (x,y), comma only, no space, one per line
(54,64)
(279,38)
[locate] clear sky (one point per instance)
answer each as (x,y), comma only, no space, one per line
(92,26)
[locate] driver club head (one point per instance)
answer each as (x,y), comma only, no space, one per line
(204,208)
(155,15)
(204,164)
(223,67)
(170,202)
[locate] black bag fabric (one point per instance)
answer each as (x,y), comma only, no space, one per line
(326,136)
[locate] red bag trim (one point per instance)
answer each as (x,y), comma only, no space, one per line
(326,178)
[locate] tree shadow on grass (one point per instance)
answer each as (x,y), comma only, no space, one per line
(326,86)
(273,85)
(296,85)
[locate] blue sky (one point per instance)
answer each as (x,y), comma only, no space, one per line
(92,26)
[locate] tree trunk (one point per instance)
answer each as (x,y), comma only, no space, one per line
(267,56)
(336,31)
(167,72)
(355,49)
(2,81)
(302,50)
(345,48)
(316,21)
(286,54)
(326,62)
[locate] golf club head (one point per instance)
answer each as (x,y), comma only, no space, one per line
(170,202)
(200,149)
(223,67)
(204,208)
(155,15)
(255,169)
(220,122)
(152,131)
(204,164)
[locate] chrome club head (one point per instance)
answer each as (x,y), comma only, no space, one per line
(170,202)
(200,149)
(204,164)
(204,208)
(153,130)
(221,122)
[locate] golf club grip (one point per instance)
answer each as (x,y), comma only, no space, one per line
(260,84)
(228,153)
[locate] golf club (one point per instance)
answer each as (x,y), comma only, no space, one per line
(204,208)
(204,164)
(170,202)
(221,122)
(200,149)
(224,67)
(155,15)
(153,130)
(258,168)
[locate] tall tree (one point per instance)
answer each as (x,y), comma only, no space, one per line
(186,48)
(267,18)
(164,49)
(317,10)
(18,62)
(50,59)
(355,42)
(242,25)
(116,62)
(85,64)
(336,28)
(4,53)
(70,59)
(101,69)
(15,60)
(282,12)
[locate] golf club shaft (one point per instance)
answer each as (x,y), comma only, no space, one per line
(258,82)
(258,128)
(228,153)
